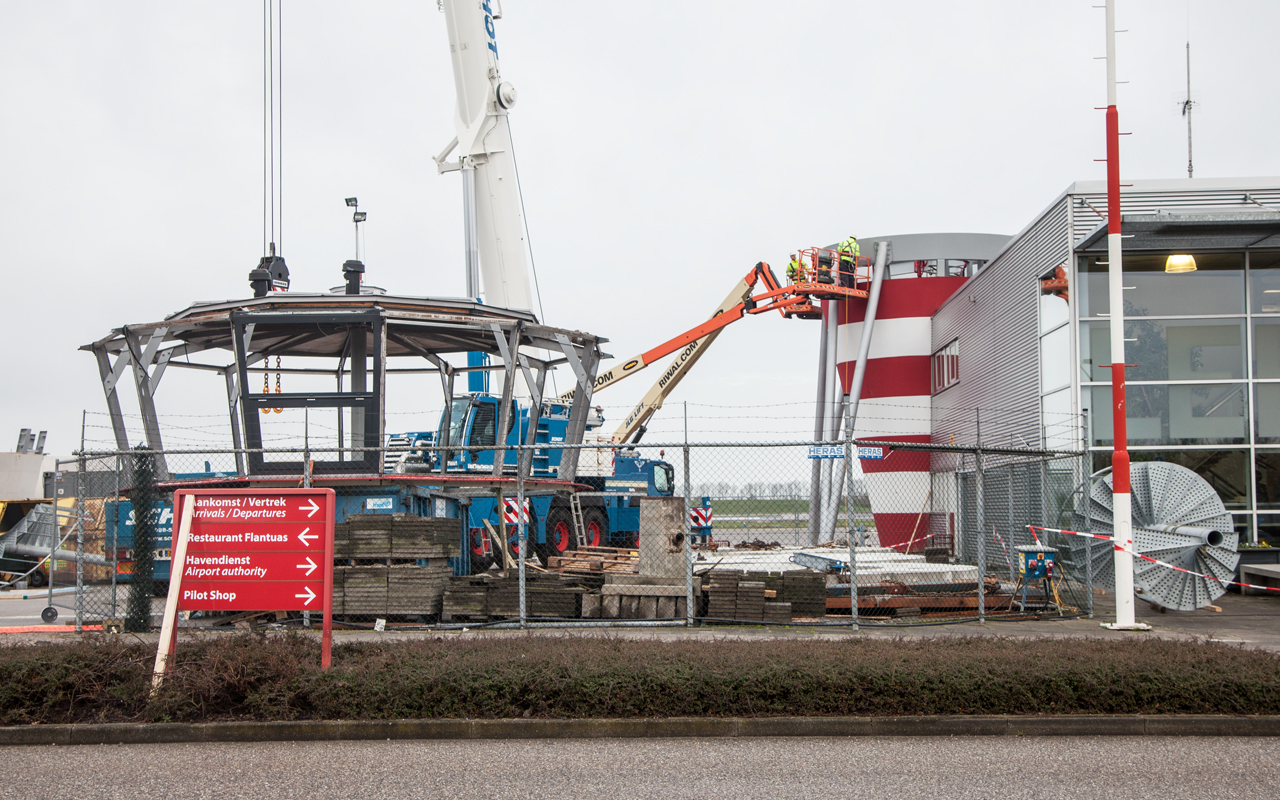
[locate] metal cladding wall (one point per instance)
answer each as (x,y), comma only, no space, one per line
(995,321)
(895,396)
(1168,195)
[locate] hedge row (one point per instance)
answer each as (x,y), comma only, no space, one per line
(277,677)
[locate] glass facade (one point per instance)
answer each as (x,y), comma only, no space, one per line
(1056,414)
(1269,529)
(1205,391)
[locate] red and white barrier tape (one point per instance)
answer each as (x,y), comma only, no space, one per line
(913,542)
(1007,559)
(1133,552)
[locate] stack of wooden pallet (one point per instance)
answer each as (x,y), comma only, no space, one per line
(547,595)
(750,601)
(497,596)
(465,598)
(360,590)
(722,594)
(596,560)
(806,591)
(416,590)
(400,536)
(776,613)
(392,564)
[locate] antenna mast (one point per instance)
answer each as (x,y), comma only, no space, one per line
(1186,111)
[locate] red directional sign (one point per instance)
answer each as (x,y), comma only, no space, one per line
(238,506)
(258,550)
(264,566)
(252,550)
(252,595)
(221,537)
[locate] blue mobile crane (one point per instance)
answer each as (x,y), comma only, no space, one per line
(606,495)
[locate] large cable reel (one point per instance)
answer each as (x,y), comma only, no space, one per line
(1178,518)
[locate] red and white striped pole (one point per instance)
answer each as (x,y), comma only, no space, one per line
(1121,505)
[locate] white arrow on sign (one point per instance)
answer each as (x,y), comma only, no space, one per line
(310,566)
(314,508)
(310,595)
(304,537)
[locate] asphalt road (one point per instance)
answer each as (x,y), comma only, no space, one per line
(1006,768)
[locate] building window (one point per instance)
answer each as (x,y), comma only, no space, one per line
(945,367)
(1269,529)
(1227,471)
(1060,425)
(1163,414)
(1267,470)
(1215,288)
(1265,271)
(1055,359)
(1165,349)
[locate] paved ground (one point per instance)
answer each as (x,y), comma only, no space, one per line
(1007,768)
(1252,621)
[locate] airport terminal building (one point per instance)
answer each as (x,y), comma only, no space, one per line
(1029,330)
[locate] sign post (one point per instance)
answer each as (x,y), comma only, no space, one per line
(250,550)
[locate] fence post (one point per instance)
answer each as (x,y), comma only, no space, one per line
(115,543)
(1084,512)
(521,538)
(848,518)
(982,534)
(53,533)
(688,540)
(81,465)
(306,480)
(81,509)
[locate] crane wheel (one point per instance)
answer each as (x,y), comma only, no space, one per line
(595,527)
(560,537)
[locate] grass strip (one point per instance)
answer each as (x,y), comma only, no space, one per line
(277,677)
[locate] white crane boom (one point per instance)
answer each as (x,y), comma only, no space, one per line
(494,222)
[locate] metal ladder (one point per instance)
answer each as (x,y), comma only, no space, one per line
(579,529)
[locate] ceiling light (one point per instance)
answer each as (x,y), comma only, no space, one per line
(1181,263)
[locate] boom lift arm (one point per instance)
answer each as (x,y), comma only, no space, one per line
(634,424)
(795,299)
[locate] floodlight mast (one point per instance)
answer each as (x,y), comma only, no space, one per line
(1122,506)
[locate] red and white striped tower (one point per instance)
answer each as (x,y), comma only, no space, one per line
(895,401)
(1121,506)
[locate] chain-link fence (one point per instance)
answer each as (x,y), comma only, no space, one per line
(799,533)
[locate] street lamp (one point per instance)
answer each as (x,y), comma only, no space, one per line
(357,217)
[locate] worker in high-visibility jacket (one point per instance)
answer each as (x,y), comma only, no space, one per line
(849,252)
(796,272)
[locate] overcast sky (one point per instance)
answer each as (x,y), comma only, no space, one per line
(663,148)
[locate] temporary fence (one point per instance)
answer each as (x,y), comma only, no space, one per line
(839,533)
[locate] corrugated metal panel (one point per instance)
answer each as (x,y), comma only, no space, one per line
(998,333)
(1131,202)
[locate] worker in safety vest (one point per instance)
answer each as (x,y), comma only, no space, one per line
(795,270)
(849,252)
